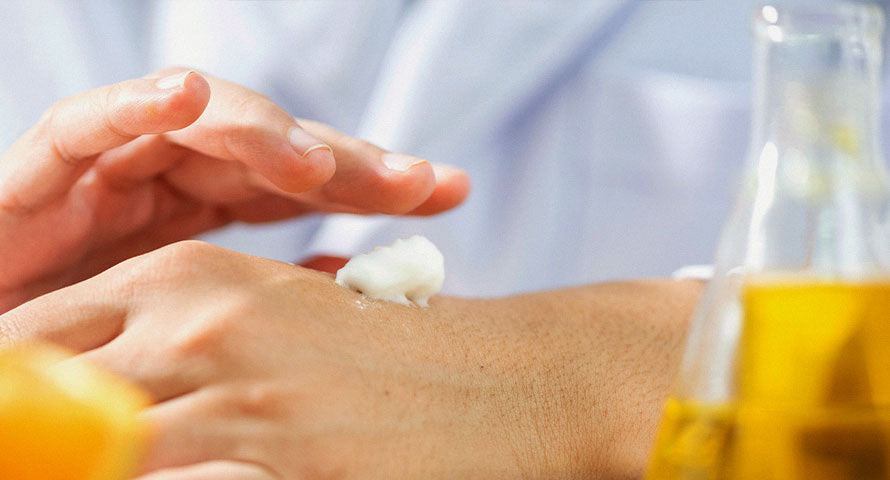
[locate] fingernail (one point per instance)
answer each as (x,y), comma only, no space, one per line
(400,161)
(303,142)
(442,171)
(173,81)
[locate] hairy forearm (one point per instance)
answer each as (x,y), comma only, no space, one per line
(559,384)
(586,370)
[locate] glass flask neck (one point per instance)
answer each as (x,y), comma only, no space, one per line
(816,84)
(818,181)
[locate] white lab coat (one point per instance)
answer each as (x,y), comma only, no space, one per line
(602,136)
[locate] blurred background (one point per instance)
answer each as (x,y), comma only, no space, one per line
(603,137)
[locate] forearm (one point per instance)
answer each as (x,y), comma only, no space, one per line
(587,369)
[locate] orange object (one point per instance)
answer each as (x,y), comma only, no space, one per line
(61,419)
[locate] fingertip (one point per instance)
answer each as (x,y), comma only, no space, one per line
(185,102)
(401,162)
(453,177)
(452,188)
(405,186)
(197,87)
(372,186)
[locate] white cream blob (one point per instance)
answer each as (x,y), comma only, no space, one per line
(409,270)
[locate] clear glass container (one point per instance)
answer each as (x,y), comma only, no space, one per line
(786,372)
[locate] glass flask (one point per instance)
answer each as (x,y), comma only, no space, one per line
(786,372)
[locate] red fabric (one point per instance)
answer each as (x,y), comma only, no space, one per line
(324,263)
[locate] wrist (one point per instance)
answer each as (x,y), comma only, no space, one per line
(520,388)
(591,366)
(550,388)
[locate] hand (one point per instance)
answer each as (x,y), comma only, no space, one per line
(264,370)
(124,169)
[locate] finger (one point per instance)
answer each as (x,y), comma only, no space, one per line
(452,188)
(213,180)
(370,178)
(194,174)
(242,125)
(198,427)
(81,317)
(216,470)
(154,370)
(47,159)
(268,208)
(139,161)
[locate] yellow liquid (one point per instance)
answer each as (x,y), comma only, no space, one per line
(813,391)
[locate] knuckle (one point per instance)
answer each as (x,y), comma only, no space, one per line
(200,338)
(162,267)
(255,106)
(47,118)
(184,253)
(12,204)
(259,400)
(49,125)
(107,105)
(188,247)
(213,333)
(139,273)
(256,121)
(258,101)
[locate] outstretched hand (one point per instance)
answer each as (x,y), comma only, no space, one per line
(264,370)
(124,169)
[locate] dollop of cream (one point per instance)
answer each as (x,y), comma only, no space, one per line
(409,270)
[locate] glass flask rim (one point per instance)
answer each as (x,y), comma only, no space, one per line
(777,22)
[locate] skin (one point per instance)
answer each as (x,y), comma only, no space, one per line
(289,376)
(127,168)
(264,370)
